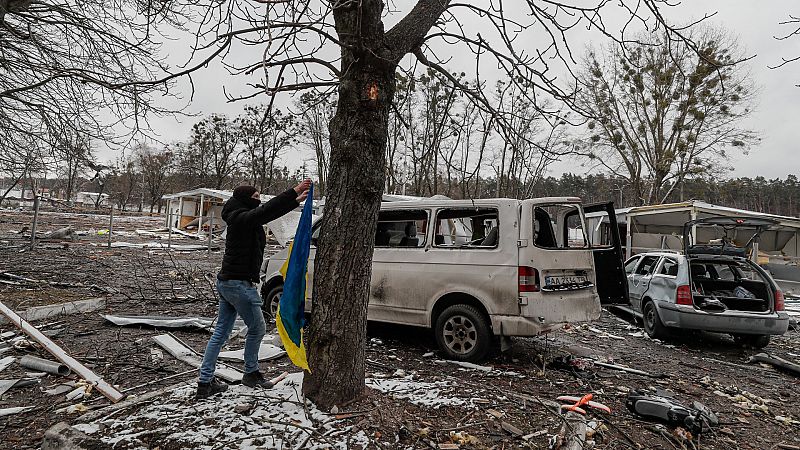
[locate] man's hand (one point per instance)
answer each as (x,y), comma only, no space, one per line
(302,190)
(302,197)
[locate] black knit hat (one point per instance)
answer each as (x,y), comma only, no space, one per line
(243,193)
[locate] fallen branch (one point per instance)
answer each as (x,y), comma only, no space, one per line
(629,370)
(777,362)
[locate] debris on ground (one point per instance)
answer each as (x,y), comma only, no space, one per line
(663,407)
(108,390)
(777,362)
(186,354)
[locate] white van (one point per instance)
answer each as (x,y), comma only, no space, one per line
(475,270)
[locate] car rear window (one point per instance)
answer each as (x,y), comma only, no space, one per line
(647,265)
(669,267)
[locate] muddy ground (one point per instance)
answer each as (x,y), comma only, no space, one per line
(501,404)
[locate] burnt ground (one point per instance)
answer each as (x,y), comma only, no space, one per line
(756,405)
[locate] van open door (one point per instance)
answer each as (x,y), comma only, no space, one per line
(612,285)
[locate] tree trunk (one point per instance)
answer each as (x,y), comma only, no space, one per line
(336,337)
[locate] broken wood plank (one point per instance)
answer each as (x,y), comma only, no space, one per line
(45,312)
(574,431)
(106,389)
(511,428)
(189,356)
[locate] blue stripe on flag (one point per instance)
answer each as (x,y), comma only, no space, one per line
(291,309)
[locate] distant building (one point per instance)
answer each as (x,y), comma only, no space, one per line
(90,199)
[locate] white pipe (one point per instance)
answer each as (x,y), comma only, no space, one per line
(44,365)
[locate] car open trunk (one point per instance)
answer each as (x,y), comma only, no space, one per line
(724,284)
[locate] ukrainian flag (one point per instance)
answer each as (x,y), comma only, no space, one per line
(291,309)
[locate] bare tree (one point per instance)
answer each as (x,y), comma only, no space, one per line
(315,112)
(71,69)
(793,24)
(125,181)
(73,155)
(212,150)
(155,166)
(660,112)
(265,135)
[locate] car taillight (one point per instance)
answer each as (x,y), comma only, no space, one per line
(683,296)
(779,303)
(528,279)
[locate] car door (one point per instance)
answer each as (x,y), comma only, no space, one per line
(398,288)
(630,267)
(612,284)
(640,279)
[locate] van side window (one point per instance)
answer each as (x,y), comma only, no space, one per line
(647,266)
(669,267)
(467,228)
(402,228)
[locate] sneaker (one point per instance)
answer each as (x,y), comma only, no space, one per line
(256,379)
(214,387)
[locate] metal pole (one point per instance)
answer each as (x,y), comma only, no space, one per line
(110,225)
(180,212)
(210,231)
(35,219)
(200,217)
(169,225)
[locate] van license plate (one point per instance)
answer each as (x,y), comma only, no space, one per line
(564,280)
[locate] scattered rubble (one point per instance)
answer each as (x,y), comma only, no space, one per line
(413,400)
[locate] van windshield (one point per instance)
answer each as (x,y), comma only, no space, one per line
(559,226)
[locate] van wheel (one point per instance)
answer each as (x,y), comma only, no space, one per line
(652,323)
(463,333)
(752,340)
(271,299)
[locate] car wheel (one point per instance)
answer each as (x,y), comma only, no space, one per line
(652,322)
(271,299)
(463,333)
(752,340)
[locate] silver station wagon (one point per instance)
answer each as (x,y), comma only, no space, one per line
(480,271)
(712,287)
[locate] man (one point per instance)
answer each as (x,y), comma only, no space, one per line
(236,282)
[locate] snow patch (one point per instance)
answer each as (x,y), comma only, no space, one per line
(277,419)
(435,394)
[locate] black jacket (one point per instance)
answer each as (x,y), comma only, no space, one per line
(245,241)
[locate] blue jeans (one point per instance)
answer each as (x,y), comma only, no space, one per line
(235,297)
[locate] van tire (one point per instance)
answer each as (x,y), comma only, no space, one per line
(757,341)
(652,322)
(463,333)
(271,299)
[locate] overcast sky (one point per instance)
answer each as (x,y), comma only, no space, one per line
(777,114)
